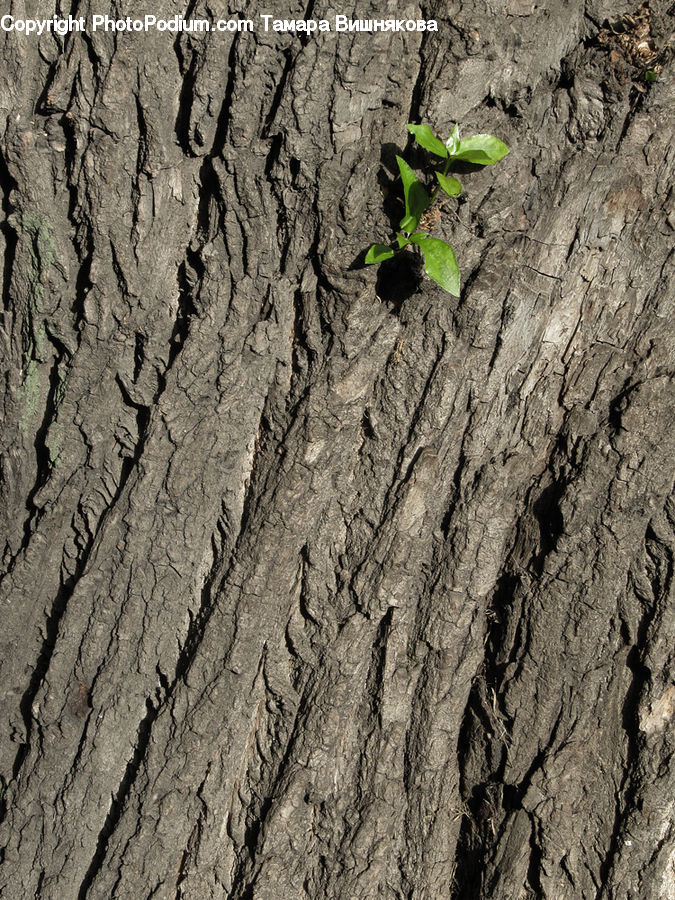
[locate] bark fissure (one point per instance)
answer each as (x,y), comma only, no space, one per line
(119,798)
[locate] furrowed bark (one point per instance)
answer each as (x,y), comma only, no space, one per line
(317,581)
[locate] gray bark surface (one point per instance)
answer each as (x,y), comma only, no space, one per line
(317,581)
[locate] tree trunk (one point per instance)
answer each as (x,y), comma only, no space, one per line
(317,581)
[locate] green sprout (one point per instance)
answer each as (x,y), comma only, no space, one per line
(440,262)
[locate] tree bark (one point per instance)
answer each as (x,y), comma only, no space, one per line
(317,581)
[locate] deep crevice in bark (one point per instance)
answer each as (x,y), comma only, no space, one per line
(119,798)
(7,185)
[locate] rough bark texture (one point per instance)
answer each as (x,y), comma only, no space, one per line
(318,582)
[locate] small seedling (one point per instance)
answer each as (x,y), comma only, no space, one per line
(440,262)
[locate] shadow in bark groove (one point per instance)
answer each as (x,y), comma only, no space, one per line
(196,630)
(224,114)
(482,750)
(535,863)
(7,185)
(399,278)
(244,878)
(546,509)
(185,98)
(659,573)
(43,463)
(278,93)
(67,589)
(117,805)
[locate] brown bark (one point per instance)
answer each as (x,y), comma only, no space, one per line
(318,582)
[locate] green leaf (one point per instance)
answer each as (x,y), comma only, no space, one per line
(482,149)
(409,223)
(402,240)
(450,185)
(452,142)
(440,263)
(427,139)
(416,199)
(378,253)
(650,75)
(417,237)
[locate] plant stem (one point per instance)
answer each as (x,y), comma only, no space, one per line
(429,204)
